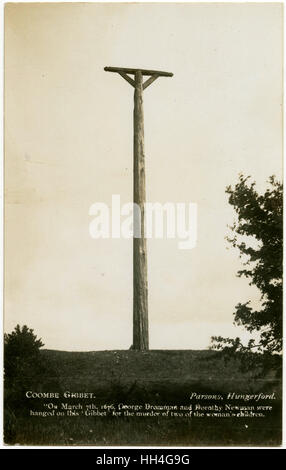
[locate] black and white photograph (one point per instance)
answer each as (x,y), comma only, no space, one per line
(143,193)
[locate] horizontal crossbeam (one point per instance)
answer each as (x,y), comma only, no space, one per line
(133,71)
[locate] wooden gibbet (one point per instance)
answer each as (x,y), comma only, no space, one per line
(140,282)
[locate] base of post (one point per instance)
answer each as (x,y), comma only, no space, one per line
(133,348)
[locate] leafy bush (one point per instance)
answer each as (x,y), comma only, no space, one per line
(25,368)
(21,351)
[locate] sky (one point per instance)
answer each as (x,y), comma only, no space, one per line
(69,144)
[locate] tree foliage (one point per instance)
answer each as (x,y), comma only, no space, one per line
(21,350)
(257,234)
(25,368)
(22,342)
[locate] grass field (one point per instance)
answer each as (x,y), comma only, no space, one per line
(158,377)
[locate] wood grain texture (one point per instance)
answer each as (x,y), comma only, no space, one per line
(140,285)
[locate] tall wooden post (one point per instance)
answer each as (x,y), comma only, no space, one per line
(140,283)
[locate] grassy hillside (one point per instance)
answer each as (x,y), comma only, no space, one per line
(158,377)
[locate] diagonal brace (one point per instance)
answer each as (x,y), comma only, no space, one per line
(127,78)
(150,80)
